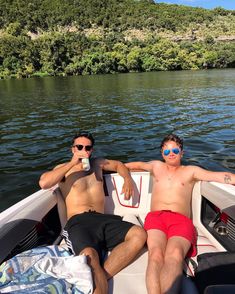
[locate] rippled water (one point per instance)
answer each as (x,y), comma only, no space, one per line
(129,114)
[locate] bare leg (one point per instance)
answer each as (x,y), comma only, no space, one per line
(99,276)
(156,249)
(125,252)
(171,273)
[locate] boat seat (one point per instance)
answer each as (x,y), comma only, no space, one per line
(220,289)
(20,226)
(132,219)
(204,245)
(134,273)
(215,273)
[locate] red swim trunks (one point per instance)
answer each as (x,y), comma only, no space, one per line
(172,224)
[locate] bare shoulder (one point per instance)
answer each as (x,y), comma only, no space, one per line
(100,162)
(157,163)
(194,172)
(190,169)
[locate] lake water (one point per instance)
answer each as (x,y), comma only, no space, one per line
(128,114)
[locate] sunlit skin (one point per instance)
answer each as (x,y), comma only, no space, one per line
(172,190)
(173,182)
(88,185)
(74,181)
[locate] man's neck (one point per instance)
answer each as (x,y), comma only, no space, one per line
(173,167)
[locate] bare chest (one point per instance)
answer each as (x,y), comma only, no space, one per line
(176,181)
(170,179)
(82,181)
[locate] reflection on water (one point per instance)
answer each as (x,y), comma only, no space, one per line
(129,114)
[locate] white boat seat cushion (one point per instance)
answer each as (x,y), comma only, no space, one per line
(132,219)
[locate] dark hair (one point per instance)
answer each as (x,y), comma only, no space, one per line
(86,135)
(173,137)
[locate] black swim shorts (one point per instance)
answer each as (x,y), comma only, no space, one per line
(92,229)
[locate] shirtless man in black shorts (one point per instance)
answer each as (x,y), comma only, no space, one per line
(88,230)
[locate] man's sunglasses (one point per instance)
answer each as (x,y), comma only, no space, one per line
(80,147)
(176,151)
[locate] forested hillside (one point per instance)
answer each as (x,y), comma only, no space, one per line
(73,37)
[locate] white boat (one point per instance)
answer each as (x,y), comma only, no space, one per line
(39,219)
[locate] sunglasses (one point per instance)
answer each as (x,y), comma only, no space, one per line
(176,151)
(80,147)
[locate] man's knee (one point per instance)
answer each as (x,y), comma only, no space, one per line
(175,255)
(91,254)
(156,255)
(137,234)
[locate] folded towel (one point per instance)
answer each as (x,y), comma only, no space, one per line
(46,270)
(73,269)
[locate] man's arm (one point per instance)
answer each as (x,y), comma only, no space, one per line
(201,174)
(119,167)
(55,176)
(140,165)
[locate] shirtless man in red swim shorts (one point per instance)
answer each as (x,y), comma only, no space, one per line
(171,234)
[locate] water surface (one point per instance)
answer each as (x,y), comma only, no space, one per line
(129,114)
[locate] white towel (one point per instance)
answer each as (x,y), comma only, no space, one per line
(73,269)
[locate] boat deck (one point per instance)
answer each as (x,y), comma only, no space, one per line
(39,219)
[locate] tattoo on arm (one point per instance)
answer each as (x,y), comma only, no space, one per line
(227,179)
